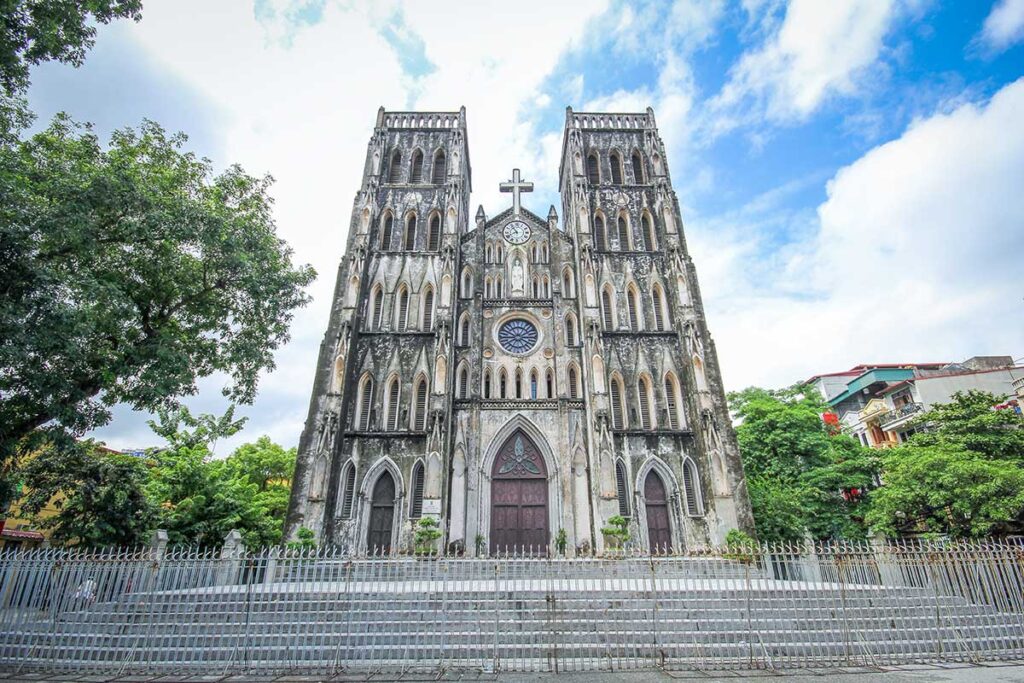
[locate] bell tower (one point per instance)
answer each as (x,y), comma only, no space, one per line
(665,455)
(380,414)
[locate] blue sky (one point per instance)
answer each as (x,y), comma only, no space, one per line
(851,173)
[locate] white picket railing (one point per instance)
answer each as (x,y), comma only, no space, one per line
(141,611)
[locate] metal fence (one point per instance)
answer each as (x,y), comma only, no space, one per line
(119,612)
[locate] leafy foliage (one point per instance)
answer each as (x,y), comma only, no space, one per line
(101,496)
(35,31)
(119,500)
(943,489)
(617,530)
(798,467)
(305,539)
(130,271)
(427,532)
(962,476)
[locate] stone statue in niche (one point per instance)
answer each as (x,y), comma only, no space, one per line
(325,438)
(518,276)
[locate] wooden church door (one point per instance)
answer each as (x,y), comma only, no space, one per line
(659,529)
(519,498)
(382,515)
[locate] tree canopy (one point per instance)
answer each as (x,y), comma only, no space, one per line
(110,499)
(36,31)
(803,476)
(100,496)
(962,475)
(131,270)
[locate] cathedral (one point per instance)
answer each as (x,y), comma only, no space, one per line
(518,378)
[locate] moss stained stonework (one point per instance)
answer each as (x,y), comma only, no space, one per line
(454,343)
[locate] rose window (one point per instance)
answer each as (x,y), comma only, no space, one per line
(517,336)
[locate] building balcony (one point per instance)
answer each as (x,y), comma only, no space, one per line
(897,417)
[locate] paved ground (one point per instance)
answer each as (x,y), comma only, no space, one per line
(1012,672)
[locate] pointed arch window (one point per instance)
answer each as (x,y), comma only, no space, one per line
(607,313)
(440,168)
(416,494)
(622,488)
(546,287)
(386,230)
(567,284)
(544,252)
(409,243)
(638,167)
(519,383)
(533,385)
(420,422)
(416,171)
(393,395)
(488,291)
(643,390)
(570,330)
(487,383)
(658,302)
(377,308)
(434,233)
(502,384)
(348,489)
(648,226)
(616,163)
(464,330)
(395,168)
(549,384)
(574,387)
(600,234)
(488,254)
(593,169)
(463,382)
(618,410)
(467,283)
(691,489)
(536,287)
(499,253)
(403,309)
(499,289)
(365,404)
(634,310)
(672,400)
(623,234)
(428,310)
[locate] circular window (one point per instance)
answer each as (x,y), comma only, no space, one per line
(517,336)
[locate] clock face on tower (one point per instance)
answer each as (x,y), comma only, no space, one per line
(516,232)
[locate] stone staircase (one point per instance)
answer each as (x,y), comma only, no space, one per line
(711,614)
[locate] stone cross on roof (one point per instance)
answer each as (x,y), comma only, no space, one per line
(515,186)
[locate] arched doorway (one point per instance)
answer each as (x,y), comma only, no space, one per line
(382,515)
(519,498)
(659,529)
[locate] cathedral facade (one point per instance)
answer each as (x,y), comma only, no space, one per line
(518,379)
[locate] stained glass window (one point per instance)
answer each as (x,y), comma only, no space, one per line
(517,336)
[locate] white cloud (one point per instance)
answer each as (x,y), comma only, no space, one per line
(915,258)
(820,50)
(1004,26)
(299,99)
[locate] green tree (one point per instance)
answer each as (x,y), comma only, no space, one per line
(269,467)
(130,271)
(102,498)
(201,499)
(264,463)
(943,489)
(969,422)
(803,475)
(35,31)
(962,475)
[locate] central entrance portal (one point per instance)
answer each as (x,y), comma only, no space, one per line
(519,498)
